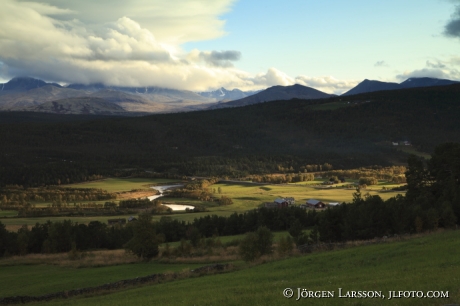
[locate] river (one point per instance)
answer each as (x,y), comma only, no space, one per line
(174,207)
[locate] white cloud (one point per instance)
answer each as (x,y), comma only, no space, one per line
(172,21)
(130,43)
(272,77)
(434,69)
(327,84)
(71,44)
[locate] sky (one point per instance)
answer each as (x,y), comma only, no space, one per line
(201,45)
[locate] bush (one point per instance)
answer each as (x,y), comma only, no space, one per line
(225,200)
(368,180)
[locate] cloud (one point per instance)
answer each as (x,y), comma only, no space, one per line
(129,43)
(273,77)
(452,28)
(220,58)
(327,84)
(436,65)
(172,21)
(71,44)
(438,69)
(381,64)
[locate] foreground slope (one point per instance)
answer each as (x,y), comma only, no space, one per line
(429,263)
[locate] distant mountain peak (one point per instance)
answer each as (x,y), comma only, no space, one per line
(22,83)
(277,92)
(372,85)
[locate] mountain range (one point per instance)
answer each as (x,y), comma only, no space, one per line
(26,94)
(275,93)
(30,94)
(371,86)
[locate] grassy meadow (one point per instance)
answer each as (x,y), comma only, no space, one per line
(122,184)
(424,263)
(245,196)
(41,279)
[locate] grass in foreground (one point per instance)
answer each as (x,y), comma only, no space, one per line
(428,263)
(41,279)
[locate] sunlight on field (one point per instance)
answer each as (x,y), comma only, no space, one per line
(252,196)
(245,196)
(121,184)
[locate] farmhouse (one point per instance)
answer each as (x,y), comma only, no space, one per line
(312,203)
(333,204)
(280,202)
(285,201)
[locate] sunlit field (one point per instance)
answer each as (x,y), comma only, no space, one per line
(245,196)
(122,184)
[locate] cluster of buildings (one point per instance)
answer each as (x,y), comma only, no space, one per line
(287,202)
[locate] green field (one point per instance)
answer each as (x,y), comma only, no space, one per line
(412,150)
(8,213)
(43,279)
(245,196)
(249,196)
(426,263)
(122,184)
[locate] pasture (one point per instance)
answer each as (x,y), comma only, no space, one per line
(42,279)
(425,263)
(245,196)
(123,184)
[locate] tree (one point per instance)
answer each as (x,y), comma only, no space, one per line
(368,180)
(296,231)
(256,244)
(264,240)
(247,249)
(145,241)
(193,234)
(225,200)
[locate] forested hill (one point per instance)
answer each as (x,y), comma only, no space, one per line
(342,131)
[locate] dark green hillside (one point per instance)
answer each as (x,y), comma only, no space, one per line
(253,139)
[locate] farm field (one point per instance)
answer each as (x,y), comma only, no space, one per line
(426,263)
(245,196)
(122,184)
(249,196)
